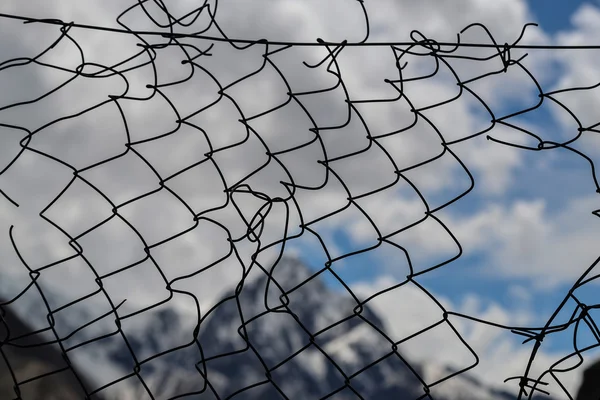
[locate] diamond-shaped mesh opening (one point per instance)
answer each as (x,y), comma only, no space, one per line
(79,209)
(123,178)
(111,246)
(124,287)
(170,216)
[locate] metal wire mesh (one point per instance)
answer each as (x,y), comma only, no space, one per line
(195,48)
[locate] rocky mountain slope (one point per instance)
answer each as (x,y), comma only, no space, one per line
(299,366)
(308,349)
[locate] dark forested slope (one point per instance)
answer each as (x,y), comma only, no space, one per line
(19,362)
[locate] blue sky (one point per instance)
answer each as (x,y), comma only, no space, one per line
(554,15)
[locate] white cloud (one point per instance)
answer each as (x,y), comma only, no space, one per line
(408,310)
(525,240)
(579,72)
(522,239)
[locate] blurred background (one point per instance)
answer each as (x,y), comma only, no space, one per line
(143,178)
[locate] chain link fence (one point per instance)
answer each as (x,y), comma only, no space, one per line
(257,174)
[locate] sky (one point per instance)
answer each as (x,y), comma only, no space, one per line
(554,15)
(526,228)
(532,198)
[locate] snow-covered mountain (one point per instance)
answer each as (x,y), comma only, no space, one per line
(310,348)
(279,341)
(309,343)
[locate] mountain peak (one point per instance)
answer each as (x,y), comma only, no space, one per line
(305,340)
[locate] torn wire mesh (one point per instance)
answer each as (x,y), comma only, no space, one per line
(179,57)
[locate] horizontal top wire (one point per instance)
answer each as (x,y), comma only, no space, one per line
(288,43)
